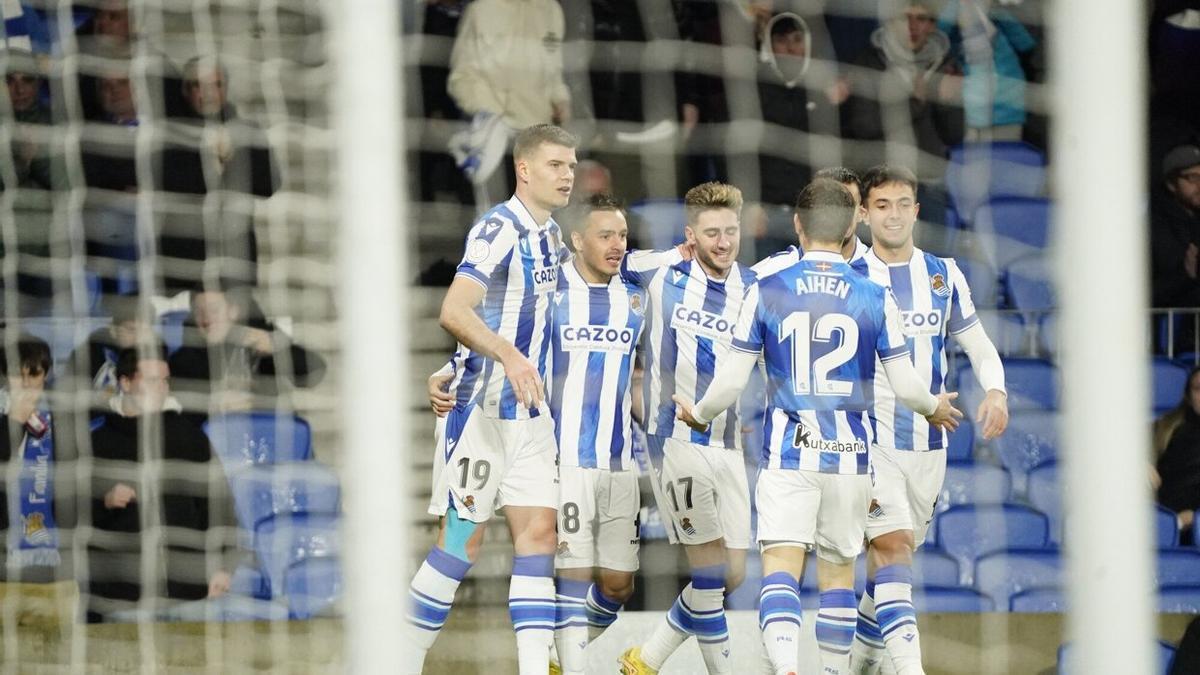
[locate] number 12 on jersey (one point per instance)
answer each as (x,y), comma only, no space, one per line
(806,373)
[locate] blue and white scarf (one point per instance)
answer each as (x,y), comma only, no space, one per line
(32,532)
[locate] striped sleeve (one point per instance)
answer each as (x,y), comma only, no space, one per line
(637,267)
(747,334)
(891,343)
(962,308)
(489,247)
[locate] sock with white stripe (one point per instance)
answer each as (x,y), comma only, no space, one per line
(779,620)
(897,619)
(835,629)
(601,611)
(571,625)
(868,650)
(706,604)
(675,627)
(531,607)
(430,596)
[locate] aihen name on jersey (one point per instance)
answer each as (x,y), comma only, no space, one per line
(804,438)
(597,338)
(700,322)
(831,284)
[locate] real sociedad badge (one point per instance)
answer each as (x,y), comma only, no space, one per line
(938,283)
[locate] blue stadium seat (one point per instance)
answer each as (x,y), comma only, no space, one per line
(1165,651)
(1166,527)
(1013,227)
(1030,440)
(951,599)
(1039,600)
(1003,574)
(978,172)
(259,438)
(662,222)
(1169,380)
(1179,599)
(968,532)
(1176,567)
(934,568)
(1045,494)
(263,491)
(1047,333)
(1033,384)
(1007,331)
(983,279)
(974,484)
(312,586)
(250,582)
(282,541)
(1029,284)
(962,442)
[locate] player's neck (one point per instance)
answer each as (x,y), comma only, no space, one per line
(901,254)
(713,273)
(590,275)
(824,247)
(540,214)
(848,248)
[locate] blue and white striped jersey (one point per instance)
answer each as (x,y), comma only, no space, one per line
(820,327)
(934,302)
(596,328)
(792,254)
(517,262)
(691,319)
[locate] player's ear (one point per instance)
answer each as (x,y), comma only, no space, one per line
(689,235)
(576,240)
(916,210)
(796,225)
(521,167)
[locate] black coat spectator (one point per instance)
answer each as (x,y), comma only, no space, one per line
(1175,231)
(31,160)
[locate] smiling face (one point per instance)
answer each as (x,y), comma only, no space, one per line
(892,210)
(601,244)
(149,387)
(547,174)
(716,235)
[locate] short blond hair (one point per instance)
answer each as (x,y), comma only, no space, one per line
(531,138)
(709,196)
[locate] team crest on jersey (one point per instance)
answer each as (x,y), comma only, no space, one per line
(938,283)
(686,524)
(564,549)
(875,511)
(635,303)
(469,502)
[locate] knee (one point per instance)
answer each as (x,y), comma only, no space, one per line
(540,535)
(893,548)
(618,588)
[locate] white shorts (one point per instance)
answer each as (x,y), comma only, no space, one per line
(483,464)
(598,519)
(825,511)
(907,485)
(704,491)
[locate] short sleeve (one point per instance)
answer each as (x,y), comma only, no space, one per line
(637,267)
(891,343)
(488,250)
(748,333)
(962,308)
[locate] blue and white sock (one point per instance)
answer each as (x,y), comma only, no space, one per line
(430,596)
(779,620)
(868,651)
(531,607)
(601,611)
(671,632)
(835,629)
(571,624)
(705,605)
(897,619)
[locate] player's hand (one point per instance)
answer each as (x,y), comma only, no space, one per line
(119,496)
(686,250)
(685,414)
(440,398)
(524,378)
(946,416)
(993,414)
(219,584)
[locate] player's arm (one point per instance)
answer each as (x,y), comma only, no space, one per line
(638,266)
(459,318)
(440,398)
(985,360)
(902,376)
(989,370)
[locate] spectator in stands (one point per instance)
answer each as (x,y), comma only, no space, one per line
(96,359)
(1177,437)
(109,160)
(591,178)
(37,457)
(217,151)
(440,179)
(30,158)
(795,103)
(242,353)
(1175,230)
(189,499)
(991,43)
(507,63)
(906,90)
